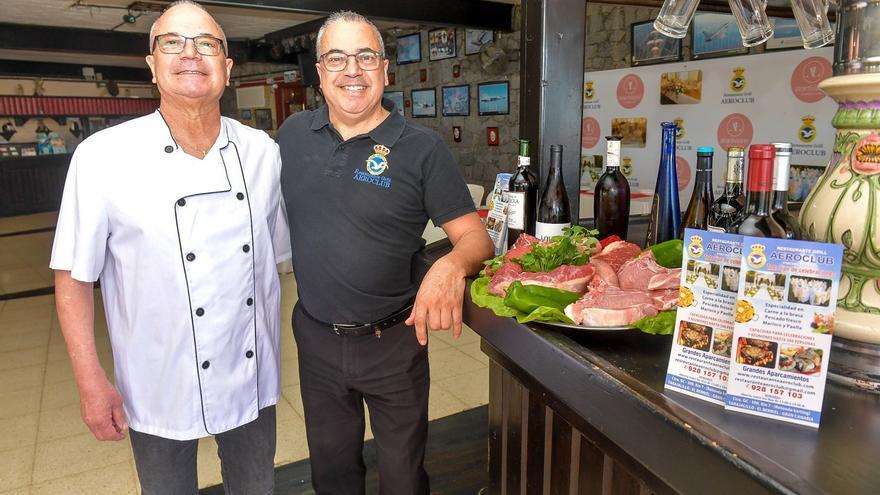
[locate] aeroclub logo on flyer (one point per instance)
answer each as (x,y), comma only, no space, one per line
(695,248)
(756,257)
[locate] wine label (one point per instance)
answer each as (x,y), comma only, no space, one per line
(546,231)
(516,210)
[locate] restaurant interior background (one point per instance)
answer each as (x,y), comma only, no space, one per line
(74,67)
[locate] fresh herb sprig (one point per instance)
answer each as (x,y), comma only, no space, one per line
(573,247)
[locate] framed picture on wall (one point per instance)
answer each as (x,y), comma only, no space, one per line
(424,102)
(441,43)
(715,35)
(649,46)
(263,118)
(786,35)
(456,100)
(409,48)
(494,98)
(474,39)
(397,98)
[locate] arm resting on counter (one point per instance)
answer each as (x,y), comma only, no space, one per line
(438,302)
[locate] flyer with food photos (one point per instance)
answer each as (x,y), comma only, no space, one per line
(784,318)
(700,357)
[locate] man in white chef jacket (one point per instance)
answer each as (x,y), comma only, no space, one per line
(178,214)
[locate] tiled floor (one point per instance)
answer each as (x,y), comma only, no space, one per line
(44,446)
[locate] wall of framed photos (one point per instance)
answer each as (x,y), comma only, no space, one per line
(470,98)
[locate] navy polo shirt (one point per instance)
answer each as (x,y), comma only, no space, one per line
(357,210)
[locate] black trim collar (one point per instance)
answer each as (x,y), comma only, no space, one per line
(387,132)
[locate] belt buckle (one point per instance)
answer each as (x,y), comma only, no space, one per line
(340,328)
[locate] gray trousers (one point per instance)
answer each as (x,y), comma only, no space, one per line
(247,460)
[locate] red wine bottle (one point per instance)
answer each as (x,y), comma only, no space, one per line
(522,197)
(612,196)
(756,220)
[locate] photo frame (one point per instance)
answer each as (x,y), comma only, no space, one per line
(786,35)
(493,137)
(424,102)
(409,48)
(474,39)
(441,43)
(263,118)
(456,100)
(649,46)
(715,35)
(493,98)
(397,98)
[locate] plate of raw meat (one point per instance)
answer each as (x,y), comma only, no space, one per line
(617,284)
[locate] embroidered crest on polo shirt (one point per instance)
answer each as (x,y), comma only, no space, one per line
(376,165)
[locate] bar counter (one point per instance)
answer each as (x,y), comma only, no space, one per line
(585,412)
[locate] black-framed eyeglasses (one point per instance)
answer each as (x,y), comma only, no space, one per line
(337,60)
(173,43)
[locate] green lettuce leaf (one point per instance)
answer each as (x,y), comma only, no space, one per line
(544,313)
(481,297)
(663,323)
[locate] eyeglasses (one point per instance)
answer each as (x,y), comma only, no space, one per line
(172,43)
(337,60)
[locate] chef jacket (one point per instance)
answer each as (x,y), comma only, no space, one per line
(186,252)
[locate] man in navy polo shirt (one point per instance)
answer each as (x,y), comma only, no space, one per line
(360,184)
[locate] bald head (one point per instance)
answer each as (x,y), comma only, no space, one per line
(186,7)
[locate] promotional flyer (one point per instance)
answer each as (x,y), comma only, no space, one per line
(784,318)
(701,347)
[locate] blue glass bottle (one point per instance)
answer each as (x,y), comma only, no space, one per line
(665,218)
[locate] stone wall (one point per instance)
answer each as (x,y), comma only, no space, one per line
(608,35)
(479,162)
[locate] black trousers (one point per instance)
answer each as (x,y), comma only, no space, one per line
(337,376)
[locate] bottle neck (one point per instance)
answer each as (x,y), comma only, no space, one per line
(780,201)
(703,181)
(759,203)
(733,188)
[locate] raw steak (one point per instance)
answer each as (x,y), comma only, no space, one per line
(504,276)
(604,272)
(523,245)
(645,274)
(566,277)
(606,305)
(617,253)
(665,298)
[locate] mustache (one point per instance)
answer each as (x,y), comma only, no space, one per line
(356,81)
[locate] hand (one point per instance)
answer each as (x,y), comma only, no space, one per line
(438,302)
(101,408)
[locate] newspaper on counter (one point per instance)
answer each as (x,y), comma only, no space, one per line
(784,318)
(700,356)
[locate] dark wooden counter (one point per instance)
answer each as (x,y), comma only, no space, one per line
(585,412)
(32,184)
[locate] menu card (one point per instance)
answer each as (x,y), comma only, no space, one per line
(784,318)
(700,357)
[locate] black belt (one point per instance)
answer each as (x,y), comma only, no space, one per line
(360,329)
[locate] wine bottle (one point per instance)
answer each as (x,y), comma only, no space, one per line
(665,220)
(756,220)
(522,197)
(697,214)
(611,197)
(554,212)
(729,206)
(779,210)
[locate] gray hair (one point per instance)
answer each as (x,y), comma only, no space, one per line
(194,4)
(349,16)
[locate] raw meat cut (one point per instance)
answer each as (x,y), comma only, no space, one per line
(606,305)
(566,277)
(604,272)
(665,298)
(617,253)
(644,273)
(523,245)
(504,276)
